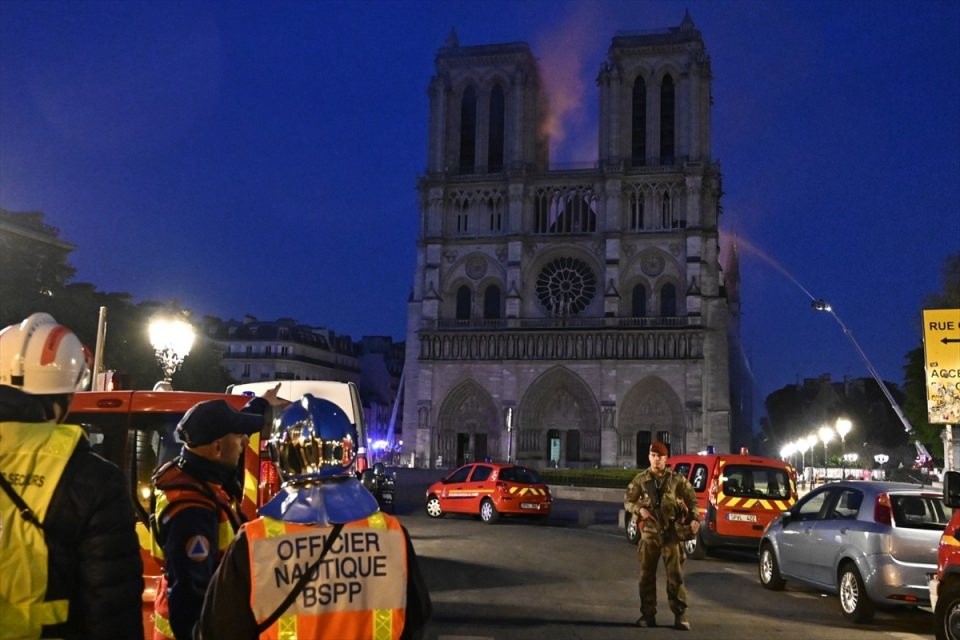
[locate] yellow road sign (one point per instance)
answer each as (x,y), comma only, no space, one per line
(941,348)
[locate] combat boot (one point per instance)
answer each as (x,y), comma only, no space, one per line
(680,622)
(646,621)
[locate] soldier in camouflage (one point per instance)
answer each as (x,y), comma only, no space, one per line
(659,498)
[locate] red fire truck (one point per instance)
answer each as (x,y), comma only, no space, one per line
(135,430)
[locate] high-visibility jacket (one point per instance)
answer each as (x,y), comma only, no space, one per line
(34,458)
(175,491)
(358,591)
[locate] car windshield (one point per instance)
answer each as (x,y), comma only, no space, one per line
(756,482)
(520,474)
(919,512)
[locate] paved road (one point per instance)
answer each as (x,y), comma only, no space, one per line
(576,579)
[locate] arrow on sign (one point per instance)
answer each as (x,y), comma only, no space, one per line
(946,340)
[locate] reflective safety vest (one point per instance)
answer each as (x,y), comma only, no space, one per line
(358,591)
(32,459)
(177,490)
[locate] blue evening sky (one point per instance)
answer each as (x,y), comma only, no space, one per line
(261,157)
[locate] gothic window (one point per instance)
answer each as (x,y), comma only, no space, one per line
(638,300)
(468,131)
(635,207)
(463,303)
(496,215)
(666,212)
(639,123)
(565,210)
(491,302)
(667,120)
(495,138)
(668,301)
(463,216)
(566,286)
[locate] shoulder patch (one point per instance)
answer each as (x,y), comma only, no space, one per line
(198,548)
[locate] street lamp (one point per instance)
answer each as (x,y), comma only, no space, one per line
(823,305)
(787,451)
(172,339)
(850,458)
(802,444)
(881,459)
(826,435)
(843,427)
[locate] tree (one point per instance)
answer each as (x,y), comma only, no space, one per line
(35,276)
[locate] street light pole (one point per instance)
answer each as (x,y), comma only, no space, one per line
(826,434)
(822,305)
(843,427)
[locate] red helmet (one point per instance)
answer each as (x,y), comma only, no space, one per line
(40,357)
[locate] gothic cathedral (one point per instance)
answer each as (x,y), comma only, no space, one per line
(566,317)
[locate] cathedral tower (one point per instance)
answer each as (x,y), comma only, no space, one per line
(567,317)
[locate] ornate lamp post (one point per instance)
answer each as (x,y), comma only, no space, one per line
(787,451)
(172,339)
(826,435)
(849,458)
(881,459)
(843,427)
(802,444)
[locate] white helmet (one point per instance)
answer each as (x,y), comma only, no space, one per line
(40,357)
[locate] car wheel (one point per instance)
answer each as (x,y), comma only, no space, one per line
(770,569)
(488,512)
(695,548)
(633,532)
(433,507)
(946,617)
(854,603)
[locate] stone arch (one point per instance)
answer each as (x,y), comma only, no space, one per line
(468,425)
(475,270)
(558,405)
(650,408)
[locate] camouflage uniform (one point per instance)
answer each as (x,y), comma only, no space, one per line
(658,538)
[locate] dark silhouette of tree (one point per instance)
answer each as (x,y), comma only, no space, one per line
(35,276)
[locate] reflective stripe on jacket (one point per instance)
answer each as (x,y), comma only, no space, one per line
(358,591)
(177,490)
(34,456)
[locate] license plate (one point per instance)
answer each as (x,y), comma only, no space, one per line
(529,505)
(741,517)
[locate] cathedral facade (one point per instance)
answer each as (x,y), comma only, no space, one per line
(566,317)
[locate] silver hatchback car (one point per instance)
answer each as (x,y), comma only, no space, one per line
(872,543)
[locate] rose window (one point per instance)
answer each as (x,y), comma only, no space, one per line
(566,286)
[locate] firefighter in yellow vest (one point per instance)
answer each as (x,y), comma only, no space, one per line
(322,561)
(69,558)
(197,508)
